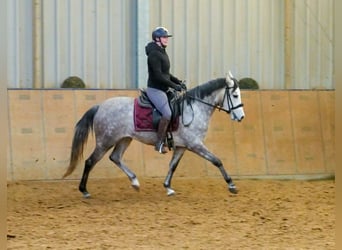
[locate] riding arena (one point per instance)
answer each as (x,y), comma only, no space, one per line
(250,160)
(281,167)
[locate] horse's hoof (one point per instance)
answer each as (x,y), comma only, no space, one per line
(170,192)
(233,190)
(86,195)
(135,184)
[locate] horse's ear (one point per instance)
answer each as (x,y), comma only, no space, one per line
(229,78)
(230,74)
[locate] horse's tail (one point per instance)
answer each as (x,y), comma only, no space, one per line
(82,129)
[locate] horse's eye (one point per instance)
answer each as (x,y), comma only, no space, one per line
(235,95)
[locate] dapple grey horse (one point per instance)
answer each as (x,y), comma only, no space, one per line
(113,125)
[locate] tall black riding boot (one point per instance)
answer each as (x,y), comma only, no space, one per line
(161,134)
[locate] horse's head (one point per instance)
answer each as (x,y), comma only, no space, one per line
(232,101)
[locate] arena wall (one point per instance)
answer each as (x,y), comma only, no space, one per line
(286,134)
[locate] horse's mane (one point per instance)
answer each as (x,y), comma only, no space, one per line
(207,88)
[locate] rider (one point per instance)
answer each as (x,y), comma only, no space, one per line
(160,80)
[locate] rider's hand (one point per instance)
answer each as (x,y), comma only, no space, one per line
(178,87)
(183,86)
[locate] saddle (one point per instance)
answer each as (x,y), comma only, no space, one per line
(174,102)
(147,117)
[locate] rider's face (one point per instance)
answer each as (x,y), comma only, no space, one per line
(164,41)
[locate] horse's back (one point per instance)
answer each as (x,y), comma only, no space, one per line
(117,102)
(115,112)
(118,99)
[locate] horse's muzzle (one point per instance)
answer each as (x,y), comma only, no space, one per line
(236,117)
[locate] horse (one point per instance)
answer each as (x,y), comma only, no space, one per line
(113,124)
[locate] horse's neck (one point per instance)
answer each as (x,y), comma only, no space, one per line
(214,99)
(208,104)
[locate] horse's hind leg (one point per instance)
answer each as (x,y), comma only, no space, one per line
(116,157)
(97,155)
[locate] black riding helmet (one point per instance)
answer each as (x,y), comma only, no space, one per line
(160,32)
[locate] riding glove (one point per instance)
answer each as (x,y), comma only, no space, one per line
(178,87)
(183,86)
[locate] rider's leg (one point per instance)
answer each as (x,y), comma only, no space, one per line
(161,134)
(161,102)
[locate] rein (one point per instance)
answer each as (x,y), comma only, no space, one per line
(219,107)
(209,104)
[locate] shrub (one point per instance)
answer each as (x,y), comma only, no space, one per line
(248,83)
(73,82)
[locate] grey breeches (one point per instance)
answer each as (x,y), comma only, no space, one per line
(160,101)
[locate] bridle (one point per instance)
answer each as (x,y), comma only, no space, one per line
(231,106)
(227,95)
(220,107)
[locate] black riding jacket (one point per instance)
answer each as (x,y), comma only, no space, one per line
(158,63)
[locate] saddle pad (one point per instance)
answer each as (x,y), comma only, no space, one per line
(143,118)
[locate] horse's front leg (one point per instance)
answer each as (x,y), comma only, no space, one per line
(202,151)
(176,157)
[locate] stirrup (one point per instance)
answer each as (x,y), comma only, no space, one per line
(160,148)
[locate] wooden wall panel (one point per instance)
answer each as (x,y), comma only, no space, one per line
(307,132)
(155,164)
(279,140)
(105,168)
(249,137)
(133,158)
(192,165)
(27,141)
(327,118)
(84,100)
(220,141)
(285,133)
(59,119)
(113,92)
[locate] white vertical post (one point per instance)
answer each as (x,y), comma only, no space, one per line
(288,43)
(143,36)
(37,44)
